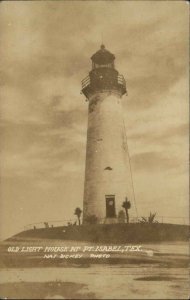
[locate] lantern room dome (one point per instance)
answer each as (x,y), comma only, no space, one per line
(102,56)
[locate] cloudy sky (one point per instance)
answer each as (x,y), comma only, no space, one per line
(45,51)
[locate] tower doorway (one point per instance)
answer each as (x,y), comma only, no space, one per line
(110,206)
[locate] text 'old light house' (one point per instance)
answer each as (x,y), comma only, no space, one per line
(106,185)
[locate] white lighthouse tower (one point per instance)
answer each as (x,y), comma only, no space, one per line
(107,174)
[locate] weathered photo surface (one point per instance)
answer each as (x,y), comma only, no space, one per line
(94,150)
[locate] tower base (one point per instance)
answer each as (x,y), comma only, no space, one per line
(110,221)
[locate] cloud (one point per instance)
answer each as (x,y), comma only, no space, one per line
(156,161)
(157,73)
(164,136)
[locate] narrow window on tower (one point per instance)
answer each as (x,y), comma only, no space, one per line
(108,168)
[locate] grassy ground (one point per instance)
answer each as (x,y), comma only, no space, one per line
(44,290)
(140,281)
(112,233)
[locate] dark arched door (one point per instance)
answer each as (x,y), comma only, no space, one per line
(110,206)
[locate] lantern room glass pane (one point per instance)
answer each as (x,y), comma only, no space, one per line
(97,66)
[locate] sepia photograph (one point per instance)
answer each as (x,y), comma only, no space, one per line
(94,163)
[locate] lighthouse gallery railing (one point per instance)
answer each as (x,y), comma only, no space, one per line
(86,81)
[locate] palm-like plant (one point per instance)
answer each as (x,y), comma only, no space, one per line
(126,205)
(78,213)
(150,219)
